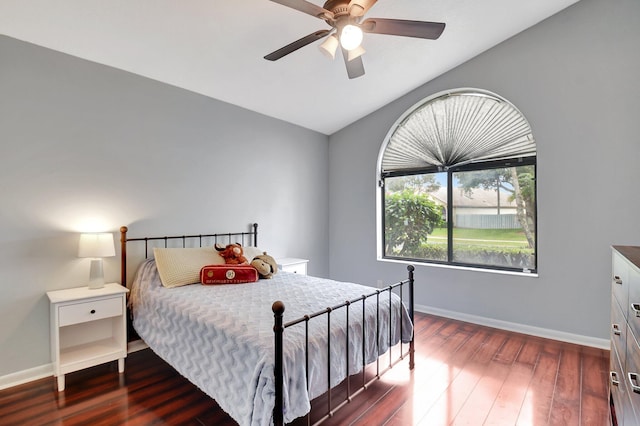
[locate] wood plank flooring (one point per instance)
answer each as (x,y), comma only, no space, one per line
(465,374)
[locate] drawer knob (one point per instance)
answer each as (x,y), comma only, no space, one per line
(617,279)
(616,329)
(635,307)
(633,381)
(93,311)
(614,378)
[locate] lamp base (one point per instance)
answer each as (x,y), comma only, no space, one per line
(96,275)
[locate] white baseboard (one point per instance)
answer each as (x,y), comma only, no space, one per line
(36,373)
(24,376)
(518,328)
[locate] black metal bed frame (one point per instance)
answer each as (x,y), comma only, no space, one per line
(251,235)
(279,327)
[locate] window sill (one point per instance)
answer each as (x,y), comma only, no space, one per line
(463,268)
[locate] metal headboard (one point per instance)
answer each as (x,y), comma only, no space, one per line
(246,238)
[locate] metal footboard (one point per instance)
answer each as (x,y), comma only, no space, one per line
(279,329)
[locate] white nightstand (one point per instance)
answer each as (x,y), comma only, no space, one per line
(88,327)
(292,264)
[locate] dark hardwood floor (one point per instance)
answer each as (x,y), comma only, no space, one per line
(465,375)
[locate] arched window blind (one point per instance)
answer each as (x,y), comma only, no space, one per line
(454,128)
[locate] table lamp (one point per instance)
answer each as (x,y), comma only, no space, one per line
(96,246)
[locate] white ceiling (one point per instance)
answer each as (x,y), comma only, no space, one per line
(216,48)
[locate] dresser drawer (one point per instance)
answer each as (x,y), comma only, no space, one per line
(617,386)
(633,306)
(89,311)
(632,379)
(618,331)
(620,281)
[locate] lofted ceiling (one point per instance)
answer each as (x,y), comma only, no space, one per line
(216,48)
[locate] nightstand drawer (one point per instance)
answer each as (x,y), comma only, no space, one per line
(89,311)
(300,268)
(292,264)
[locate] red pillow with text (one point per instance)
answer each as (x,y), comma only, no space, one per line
(228,274)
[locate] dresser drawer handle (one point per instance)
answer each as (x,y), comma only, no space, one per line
(617,279)
(614,378)
(93,311)
(635,307)
(616,329)
(633,380)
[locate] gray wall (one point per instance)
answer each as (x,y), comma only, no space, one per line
(84,147)
(574,76)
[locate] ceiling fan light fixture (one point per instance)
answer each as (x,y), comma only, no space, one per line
(350,37)
(355,53)
(329,46)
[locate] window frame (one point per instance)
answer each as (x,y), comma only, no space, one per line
(488,165)
(525,157)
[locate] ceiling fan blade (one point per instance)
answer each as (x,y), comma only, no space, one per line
(292,47)
(355,67)
(306,7)
(360,7)
(401,27)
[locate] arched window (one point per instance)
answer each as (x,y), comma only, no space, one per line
(457,184)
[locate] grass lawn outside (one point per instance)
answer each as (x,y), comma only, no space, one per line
(471,236)
(491,247)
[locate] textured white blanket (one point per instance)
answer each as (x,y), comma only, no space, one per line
(221,337)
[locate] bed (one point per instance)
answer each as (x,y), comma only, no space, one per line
(265,350)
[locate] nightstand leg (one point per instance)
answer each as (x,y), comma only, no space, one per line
(120,365)
(60,382)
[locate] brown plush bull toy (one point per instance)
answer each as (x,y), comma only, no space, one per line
(232,254)
(265,264)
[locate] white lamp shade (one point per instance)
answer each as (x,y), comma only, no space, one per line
(329,46)
(96,245)
(355,53)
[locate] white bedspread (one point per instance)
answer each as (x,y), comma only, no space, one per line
(221,337)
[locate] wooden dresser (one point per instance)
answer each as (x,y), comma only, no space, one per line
(624,376)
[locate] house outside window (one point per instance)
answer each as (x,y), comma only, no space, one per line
(457,184)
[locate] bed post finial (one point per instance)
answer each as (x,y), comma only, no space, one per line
(255,234)
(278,308)
(123,255)
(278,330)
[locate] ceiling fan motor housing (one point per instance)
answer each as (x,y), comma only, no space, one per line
(339,8)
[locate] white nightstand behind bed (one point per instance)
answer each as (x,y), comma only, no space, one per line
(88,327)
(292,264)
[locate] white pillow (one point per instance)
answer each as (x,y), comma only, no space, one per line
(251,252)
(181,266)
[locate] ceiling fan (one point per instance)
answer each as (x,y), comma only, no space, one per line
(347,27)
